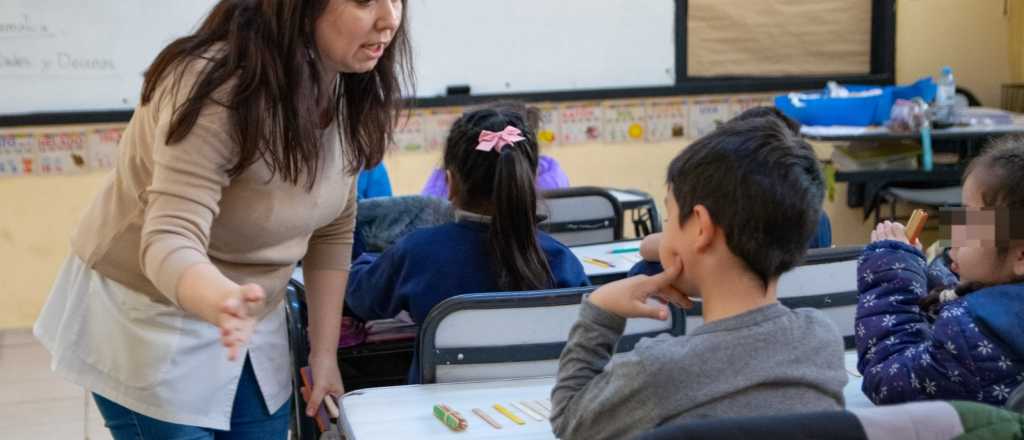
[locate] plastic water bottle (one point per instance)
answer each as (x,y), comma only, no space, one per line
(944,95)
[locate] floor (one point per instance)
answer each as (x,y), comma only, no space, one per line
(35,403)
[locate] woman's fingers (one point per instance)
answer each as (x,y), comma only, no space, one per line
(315,399)
(252,293)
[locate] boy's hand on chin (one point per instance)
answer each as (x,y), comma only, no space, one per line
(628,297)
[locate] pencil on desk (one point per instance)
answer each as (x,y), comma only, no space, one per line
(625,250)
(600,263)
(505,412)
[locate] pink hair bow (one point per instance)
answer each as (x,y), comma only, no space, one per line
(495,141)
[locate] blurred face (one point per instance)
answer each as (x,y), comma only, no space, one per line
(974,253)
(351,35)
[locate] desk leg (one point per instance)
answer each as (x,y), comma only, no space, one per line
(854,195)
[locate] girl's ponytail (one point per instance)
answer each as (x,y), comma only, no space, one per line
(519,262)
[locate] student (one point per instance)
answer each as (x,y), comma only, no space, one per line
(973,347)
(744,202)
(373,182)
(549,174)
(494,245)
(822,237)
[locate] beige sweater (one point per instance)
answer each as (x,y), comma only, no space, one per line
(168,207)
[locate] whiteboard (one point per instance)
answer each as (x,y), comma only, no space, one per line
(515,46)
(90,55)
(84,55)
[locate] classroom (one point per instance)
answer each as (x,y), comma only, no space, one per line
(522,219)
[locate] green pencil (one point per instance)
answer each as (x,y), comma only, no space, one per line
(625,250)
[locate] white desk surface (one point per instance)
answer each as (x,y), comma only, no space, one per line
(826,131)
(403,412)
(621,263)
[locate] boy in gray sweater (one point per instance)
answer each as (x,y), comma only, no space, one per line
(744,202)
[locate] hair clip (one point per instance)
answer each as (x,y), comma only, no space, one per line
(490,140)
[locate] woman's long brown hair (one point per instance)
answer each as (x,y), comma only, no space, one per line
(267,47)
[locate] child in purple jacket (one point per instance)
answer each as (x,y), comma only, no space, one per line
(965,339)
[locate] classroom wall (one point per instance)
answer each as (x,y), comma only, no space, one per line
(970,35)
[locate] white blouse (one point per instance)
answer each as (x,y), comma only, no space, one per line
(152,358)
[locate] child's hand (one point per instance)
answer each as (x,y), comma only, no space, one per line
(649,247)
(628,298)
(893,231)
(236,319)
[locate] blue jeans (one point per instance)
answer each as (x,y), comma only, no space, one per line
(249,418)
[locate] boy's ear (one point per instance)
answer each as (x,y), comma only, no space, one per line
(706,229)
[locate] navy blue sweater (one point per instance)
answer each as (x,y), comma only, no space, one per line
(433,264)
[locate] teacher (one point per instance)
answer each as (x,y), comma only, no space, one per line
(239,161)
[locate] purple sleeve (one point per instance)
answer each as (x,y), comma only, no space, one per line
(550,175)
(436,185)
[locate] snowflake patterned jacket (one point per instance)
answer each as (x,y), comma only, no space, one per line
(973,349)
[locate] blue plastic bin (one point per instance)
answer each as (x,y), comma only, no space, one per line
(820,109)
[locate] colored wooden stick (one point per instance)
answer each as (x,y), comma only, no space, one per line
(480,413)
(451,418)
(528,413)
(536,408)
(505,412)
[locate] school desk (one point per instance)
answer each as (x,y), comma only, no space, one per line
(865,186)
(405,411)
(642,208)
(606,262)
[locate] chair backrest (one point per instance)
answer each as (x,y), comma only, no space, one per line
(927,420)
(1016,400)
(487,336)
(833,425)
(581,215)
(826,280)
(298,347)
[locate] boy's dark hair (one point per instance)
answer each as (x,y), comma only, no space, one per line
(768,112)
(503,182)
(761,184)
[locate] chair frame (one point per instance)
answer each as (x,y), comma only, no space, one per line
(574,226)
(303,427)
(429,356)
